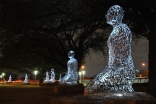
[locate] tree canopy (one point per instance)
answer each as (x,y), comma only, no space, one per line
(50,29)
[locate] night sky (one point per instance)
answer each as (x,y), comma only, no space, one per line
(96,62)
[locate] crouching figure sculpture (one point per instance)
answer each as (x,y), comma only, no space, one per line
(119,75)
(71,76)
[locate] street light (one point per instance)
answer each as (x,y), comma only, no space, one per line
(83,73)
(35,72)
(80,76)
(82,67)
(3,77)
(143,64)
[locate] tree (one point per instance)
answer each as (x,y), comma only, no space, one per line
(50,34)
(143,16)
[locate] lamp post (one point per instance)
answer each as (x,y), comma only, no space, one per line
(3,77)
(80,76)
(83,73)
(35,72)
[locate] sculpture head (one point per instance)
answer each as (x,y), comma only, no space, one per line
(71,54)
(114,15)
(52,70)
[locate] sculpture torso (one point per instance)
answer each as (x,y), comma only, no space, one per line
(52,75)
(52,79)
(72,66)
(47,76)
(119,44)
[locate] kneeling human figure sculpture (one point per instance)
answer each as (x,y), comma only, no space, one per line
(47,78)
(52,78)
(10,79)
(119,75)
(26,79)
(71,76)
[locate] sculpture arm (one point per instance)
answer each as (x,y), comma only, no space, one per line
(75,65)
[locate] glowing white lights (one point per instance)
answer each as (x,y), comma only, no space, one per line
(116,94)
(3,74)
(35,72)
(119,74)
(2,77)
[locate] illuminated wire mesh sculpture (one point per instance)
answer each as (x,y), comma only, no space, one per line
(119,75)
(10,79)
(71,76)
(26,79)
(60,78)
(47,77)
(52,78)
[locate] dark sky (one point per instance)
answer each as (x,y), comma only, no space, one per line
(97,63)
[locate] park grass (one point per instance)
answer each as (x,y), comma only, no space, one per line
(28,94)
(35,94)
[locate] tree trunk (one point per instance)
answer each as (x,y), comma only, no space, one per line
(152,61)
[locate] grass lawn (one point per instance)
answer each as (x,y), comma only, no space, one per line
(27,94)
(35,94)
